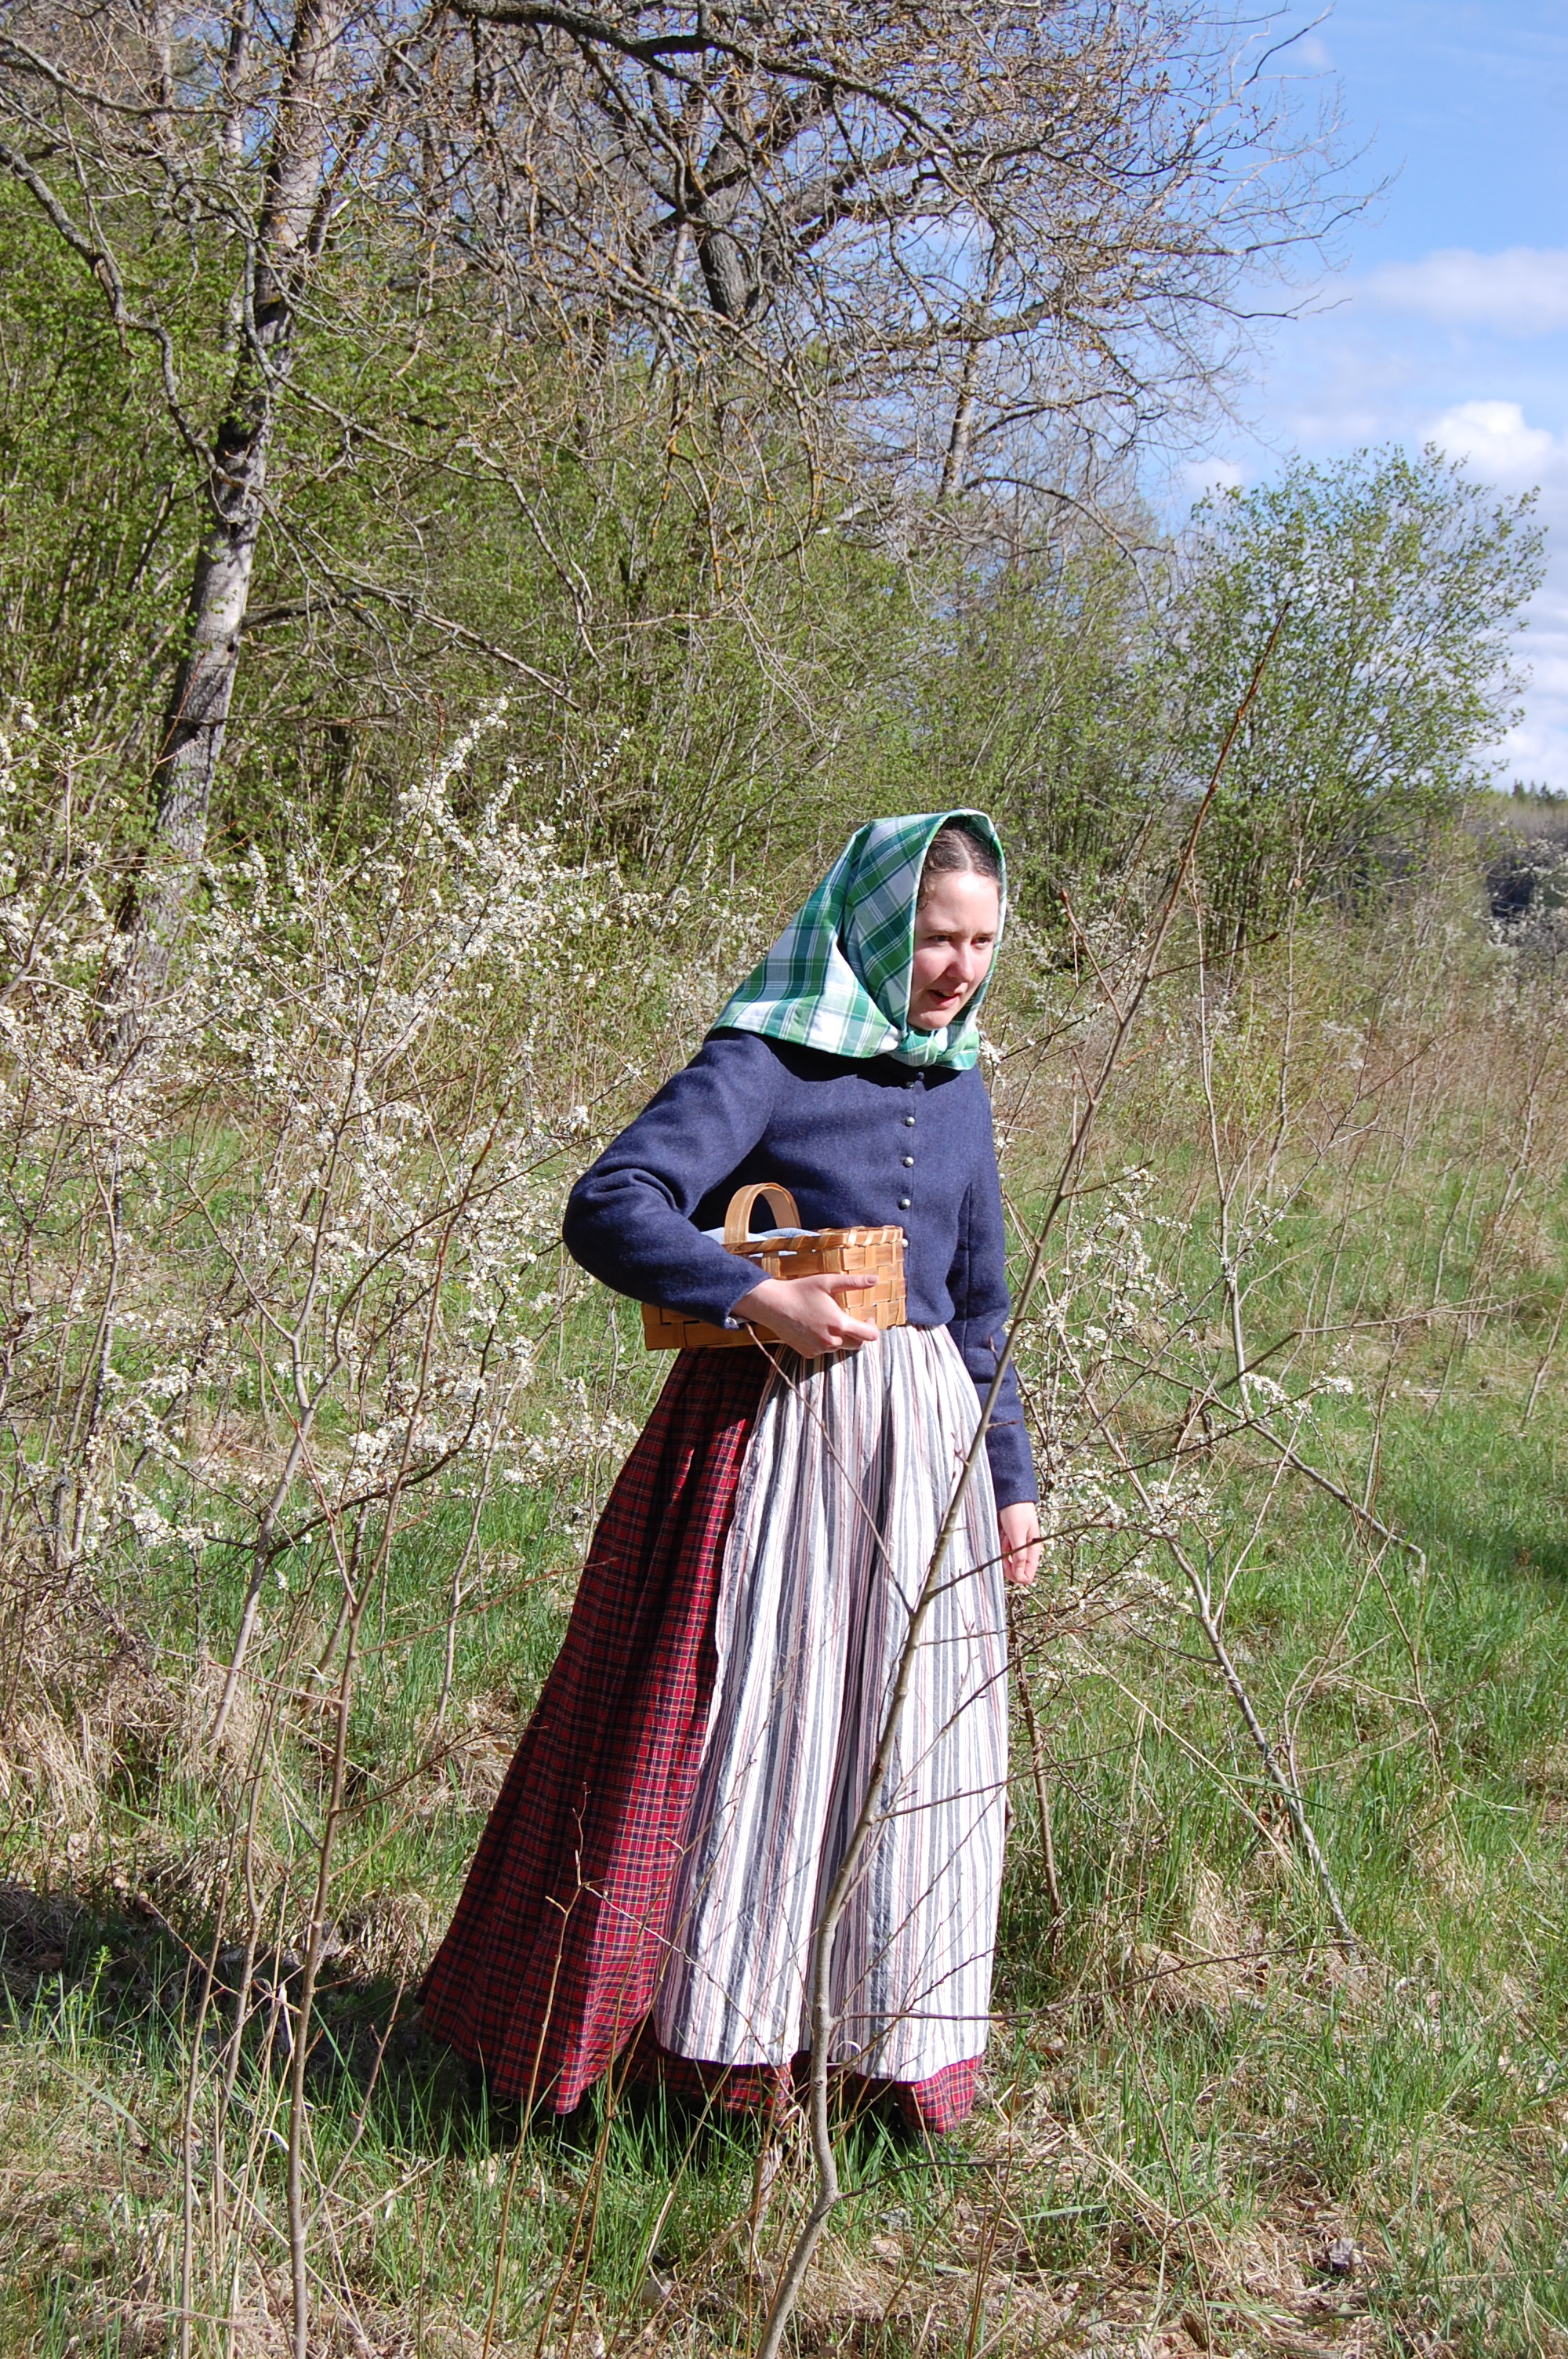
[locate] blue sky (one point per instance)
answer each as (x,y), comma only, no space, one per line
(1449,321)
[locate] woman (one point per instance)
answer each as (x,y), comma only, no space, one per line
(648,1878)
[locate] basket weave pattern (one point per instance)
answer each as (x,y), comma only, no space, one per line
(876,1253)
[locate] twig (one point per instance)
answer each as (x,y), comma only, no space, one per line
(1042,1799)
(1203,1605)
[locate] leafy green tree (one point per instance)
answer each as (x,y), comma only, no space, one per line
(1400,582)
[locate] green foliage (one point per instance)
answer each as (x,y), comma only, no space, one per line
(1035,700)
(1396,582)
(698,658)
(97,518)
(719,656)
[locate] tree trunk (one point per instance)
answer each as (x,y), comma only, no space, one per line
(714,199)
(728,273)
(195,716)
(956,464)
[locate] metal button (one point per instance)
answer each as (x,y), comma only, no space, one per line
(903,1204)
(909,1122)
(908,1162)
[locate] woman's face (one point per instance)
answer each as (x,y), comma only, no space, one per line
(955,941)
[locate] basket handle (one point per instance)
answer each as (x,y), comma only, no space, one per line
(737,1219)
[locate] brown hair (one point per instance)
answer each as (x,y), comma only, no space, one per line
(959,850)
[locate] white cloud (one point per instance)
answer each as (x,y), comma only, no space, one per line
(1500,445)
(1204,475)
(1496,440)
(1313,53)
(1523,291)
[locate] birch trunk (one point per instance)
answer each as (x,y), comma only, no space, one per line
(195,716)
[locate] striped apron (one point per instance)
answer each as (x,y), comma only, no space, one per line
(846,1480)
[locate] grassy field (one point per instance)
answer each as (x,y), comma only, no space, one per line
(1208,2125)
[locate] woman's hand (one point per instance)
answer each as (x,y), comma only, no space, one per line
(1020,1543)
(807,1314)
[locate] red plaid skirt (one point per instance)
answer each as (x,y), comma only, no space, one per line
(550,1964)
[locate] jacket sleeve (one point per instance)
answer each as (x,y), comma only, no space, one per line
(629,1218)
(977,1284)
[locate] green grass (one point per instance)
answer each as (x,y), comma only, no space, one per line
(1193,2093)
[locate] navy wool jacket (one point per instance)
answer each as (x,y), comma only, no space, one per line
(859,1141)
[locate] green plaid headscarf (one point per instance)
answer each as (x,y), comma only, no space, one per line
(837,977)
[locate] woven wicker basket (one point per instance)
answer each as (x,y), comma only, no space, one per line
(879,1253)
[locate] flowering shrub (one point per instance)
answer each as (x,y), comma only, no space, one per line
(274,1270)
(1113,1323)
